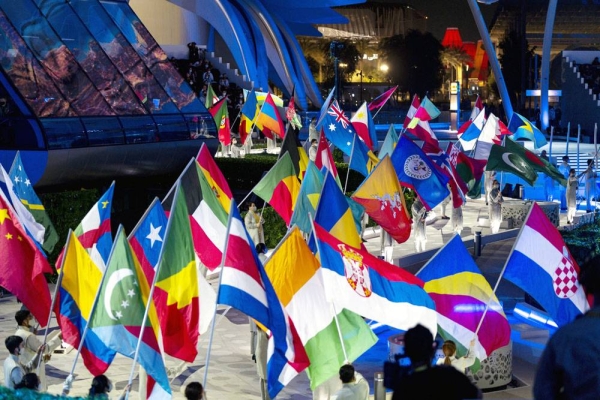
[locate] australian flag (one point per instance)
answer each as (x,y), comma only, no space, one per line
(338,128)
(416,171)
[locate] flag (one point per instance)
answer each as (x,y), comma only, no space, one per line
(118,319)
(541,264)
(477,109)
(524,129)
(468,169)
(246,287)
(461,294)
(25,192)
(502,159)
(291,115)
(211,98)
(338,128)
(34,229)
(490,135)
(468,138)
(248,116)
(269,119)
(280,187)
(380,100)
(324,158)
(294,148)
(298,282)
(381,196)
(389,143)
(335,215)
(221,116)
(440,158)
(22,265)
(207,216)
(214,177)
(422,130)
(365,127)
(94,231)
(81,280)
(416,171)
(261,97)
(324,109)
(536,162)
(176,291)
(362,159)
(308,198)
(147,239)
(360,282)
(426,112)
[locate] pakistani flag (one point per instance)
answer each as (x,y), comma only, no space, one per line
(502,159)
(118,319)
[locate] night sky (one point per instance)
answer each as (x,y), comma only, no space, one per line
(451,13)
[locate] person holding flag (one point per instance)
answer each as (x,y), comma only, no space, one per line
(419,215)
(495,206)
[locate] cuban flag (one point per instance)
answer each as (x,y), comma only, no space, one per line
(246,287)
(542,266)
(360,282)
(416,171)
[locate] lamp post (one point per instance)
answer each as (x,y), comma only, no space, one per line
(334,51)
(360,73)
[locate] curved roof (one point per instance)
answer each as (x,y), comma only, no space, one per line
(261,37)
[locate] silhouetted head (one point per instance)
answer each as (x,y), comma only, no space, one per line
(194,391)
(30,381)
(13,344)
(418,345)
(347,373)
(100,385)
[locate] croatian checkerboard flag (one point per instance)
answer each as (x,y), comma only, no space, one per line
(542,266)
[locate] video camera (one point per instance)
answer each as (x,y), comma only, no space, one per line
(395,370)
(335,49)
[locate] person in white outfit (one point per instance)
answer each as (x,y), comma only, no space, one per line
(354,385)
(26,331)
(590,184)
(254,225)
(572,185)
(419,215)
(462,363)
(13,369)
(495,207)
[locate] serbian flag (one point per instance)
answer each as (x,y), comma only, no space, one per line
(541,265)
(221,117)
(380,100)
(381,196)
(269,119)
(360,282)
(365,127)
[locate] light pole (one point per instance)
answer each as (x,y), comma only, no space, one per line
(360,73)
(334,51)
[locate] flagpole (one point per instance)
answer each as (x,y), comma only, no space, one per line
(132,233)
(337,323)
(568,135)
(179,178)
(550,145)
(58,283)
(487,304)
(212,325)
(379,109)
(250,192)
(87,325)
(349,163)
(144,319)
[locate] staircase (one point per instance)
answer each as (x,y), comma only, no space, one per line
(233,74)
(578,104)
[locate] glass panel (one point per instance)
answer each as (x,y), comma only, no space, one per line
(172,127)
(154,57)
(56,58)
(28,76)
(64,133)
(91,57)
(103,131)
(117,48)
(139,129)
(201,125)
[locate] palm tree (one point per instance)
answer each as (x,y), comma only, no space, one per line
(455,57)
(313,49)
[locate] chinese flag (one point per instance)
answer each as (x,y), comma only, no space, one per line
(22,265)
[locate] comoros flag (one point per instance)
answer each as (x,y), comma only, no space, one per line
(542,266)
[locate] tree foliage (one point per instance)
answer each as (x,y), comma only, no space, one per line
(414,61)
(510,61)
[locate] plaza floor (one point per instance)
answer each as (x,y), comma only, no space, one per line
(232,373)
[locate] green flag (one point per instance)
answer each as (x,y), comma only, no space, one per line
(118,319)
(211,97)
(536,162)
(502,159)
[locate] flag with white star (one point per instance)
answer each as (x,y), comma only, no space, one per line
(118,319)
(24,190)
